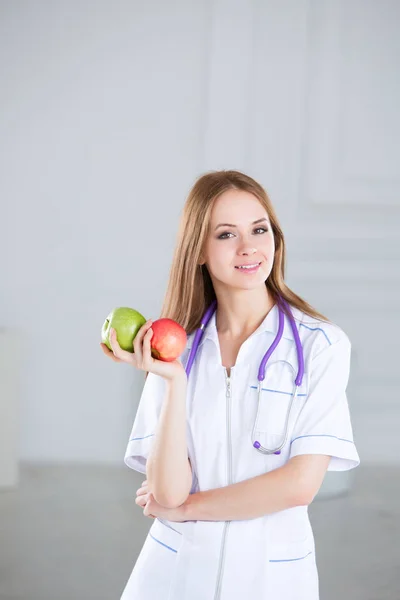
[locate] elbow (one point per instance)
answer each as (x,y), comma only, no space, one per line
(303,500)
(306,475)
(161,496)
(304,495)
(168,501)
(170,498)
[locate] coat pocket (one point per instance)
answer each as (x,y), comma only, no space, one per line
(166,534)
(156,563)
(273,410)
(292,571)
(276,398)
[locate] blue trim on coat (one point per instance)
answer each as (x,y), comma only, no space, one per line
(317,329)
(289,559)
(276,391)
(142,438)
(322,435)
(162,544)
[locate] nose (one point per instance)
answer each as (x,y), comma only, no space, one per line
(245,245)
(247,250)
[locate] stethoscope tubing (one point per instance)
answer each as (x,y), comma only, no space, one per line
(282,305)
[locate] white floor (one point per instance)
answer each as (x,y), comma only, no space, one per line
(74,533)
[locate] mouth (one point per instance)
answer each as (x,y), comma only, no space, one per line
(253,268)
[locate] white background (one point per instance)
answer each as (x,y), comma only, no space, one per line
(111,110)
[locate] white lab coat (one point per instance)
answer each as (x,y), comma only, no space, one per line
(271,557)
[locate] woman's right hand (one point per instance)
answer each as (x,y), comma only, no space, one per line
(141,357)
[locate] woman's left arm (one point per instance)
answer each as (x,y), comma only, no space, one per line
(294,484)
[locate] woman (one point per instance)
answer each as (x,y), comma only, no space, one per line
(228,490)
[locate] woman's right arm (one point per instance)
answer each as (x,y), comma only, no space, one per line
(168,469)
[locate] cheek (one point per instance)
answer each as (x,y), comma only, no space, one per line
(218,254)
(270,246)
(219,257)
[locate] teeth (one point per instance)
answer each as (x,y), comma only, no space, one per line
(248,266)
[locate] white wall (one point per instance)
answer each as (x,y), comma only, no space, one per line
(109,111)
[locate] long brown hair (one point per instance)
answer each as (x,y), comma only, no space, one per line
(190,290)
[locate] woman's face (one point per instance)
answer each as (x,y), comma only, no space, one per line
(235,239)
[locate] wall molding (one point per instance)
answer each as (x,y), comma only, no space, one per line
(338,166)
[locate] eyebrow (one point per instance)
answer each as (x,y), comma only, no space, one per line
(232,225)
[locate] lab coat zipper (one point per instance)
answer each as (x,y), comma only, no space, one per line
(229,477)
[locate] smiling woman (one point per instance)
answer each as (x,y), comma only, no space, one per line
(260,415)
(228,222)
(244,245)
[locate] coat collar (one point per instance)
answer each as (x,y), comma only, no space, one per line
(269,324)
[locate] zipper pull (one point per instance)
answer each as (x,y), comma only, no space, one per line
(228,391)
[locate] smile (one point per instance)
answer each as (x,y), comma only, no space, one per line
(249,268)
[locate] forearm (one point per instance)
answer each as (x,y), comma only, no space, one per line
(270,492)
(167,466)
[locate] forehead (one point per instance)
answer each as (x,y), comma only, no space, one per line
(237,206)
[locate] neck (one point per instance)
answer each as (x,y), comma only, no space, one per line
(240,314)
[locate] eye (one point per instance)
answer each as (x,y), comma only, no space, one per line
(226,233)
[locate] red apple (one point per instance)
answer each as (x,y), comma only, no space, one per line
(168,341)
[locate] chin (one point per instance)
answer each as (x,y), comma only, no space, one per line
(248,283)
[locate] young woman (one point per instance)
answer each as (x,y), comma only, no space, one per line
(236,435)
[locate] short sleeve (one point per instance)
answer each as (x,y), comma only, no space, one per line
(324,424)
(145,423)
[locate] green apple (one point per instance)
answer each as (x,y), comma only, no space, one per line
(126,322)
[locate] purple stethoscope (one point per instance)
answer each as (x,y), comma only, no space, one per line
(263,365)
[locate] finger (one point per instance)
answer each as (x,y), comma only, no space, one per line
(143,490)
(143,497)
(109,353)
(147,508)
(123,355)
(113,341)
(142,500)
(147,358)
(138,341)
